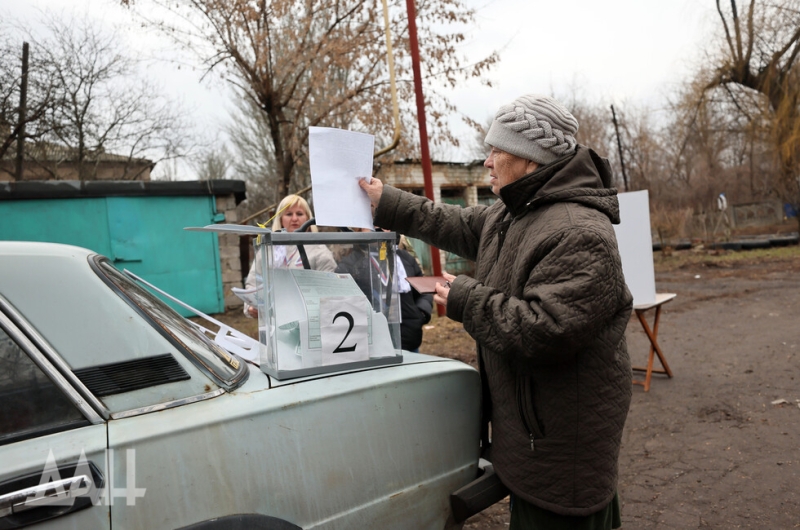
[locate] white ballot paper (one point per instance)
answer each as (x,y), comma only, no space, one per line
(338,159)
(249,296)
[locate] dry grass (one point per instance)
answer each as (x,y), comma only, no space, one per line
(788,256)
(670,225)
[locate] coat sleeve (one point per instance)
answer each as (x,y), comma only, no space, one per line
(425,304)
(423,301)
(445,226)
(569,298)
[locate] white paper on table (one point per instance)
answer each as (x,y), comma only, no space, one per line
(338,159)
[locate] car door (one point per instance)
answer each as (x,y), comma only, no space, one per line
(380,448)
(52,445)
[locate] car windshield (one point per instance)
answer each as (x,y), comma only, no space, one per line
(207,355)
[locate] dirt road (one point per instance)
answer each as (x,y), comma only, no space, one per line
(716,446)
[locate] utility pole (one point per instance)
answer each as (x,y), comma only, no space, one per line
(619,147)
(23,107)
(423,130)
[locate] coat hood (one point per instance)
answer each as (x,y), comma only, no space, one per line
(583,177)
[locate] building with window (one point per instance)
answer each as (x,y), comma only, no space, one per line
(462,183)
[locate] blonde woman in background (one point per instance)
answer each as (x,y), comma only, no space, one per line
(293,211)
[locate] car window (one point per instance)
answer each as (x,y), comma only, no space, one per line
(31,404)
(175,328)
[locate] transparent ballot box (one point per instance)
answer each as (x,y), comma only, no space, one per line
(312,321)
(315,321)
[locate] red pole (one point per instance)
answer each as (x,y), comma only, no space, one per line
(423,131)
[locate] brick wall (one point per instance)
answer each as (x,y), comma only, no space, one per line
(229,255)
(458,179)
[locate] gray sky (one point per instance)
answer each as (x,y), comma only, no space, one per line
(622,51)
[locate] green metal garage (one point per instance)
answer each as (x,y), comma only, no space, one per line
(139,225)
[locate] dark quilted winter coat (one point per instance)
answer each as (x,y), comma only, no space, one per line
(548,308)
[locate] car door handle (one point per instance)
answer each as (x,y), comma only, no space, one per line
(58,492)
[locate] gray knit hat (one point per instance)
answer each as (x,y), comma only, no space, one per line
(534,127)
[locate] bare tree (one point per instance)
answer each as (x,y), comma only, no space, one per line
(254,162)
(322,63)
(759,55)
(213,163)
(38,100)
(640,147)
(649,148)
(595,126)
(95,105)
(101,104)
(478,149)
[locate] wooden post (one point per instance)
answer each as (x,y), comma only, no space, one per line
(23,106)
(619,148)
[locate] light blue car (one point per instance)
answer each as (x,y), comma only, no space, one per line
(115,412)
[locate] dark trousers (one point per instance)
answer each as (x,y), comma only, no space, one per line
(526,516)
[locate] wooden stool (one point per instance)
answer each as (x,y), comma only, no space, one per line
(655,349)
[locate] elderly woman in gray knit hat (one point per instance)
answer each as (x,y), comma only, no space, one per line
(548,307)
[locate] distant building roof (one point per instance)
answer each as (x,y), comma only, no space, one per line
(410,161)
(51,152)
(73,189)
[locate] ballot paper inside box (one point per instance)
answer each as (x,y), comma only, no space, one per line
(313,321)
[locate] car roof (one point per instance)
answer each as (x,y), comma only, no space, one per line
(40,249)
(55,289)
